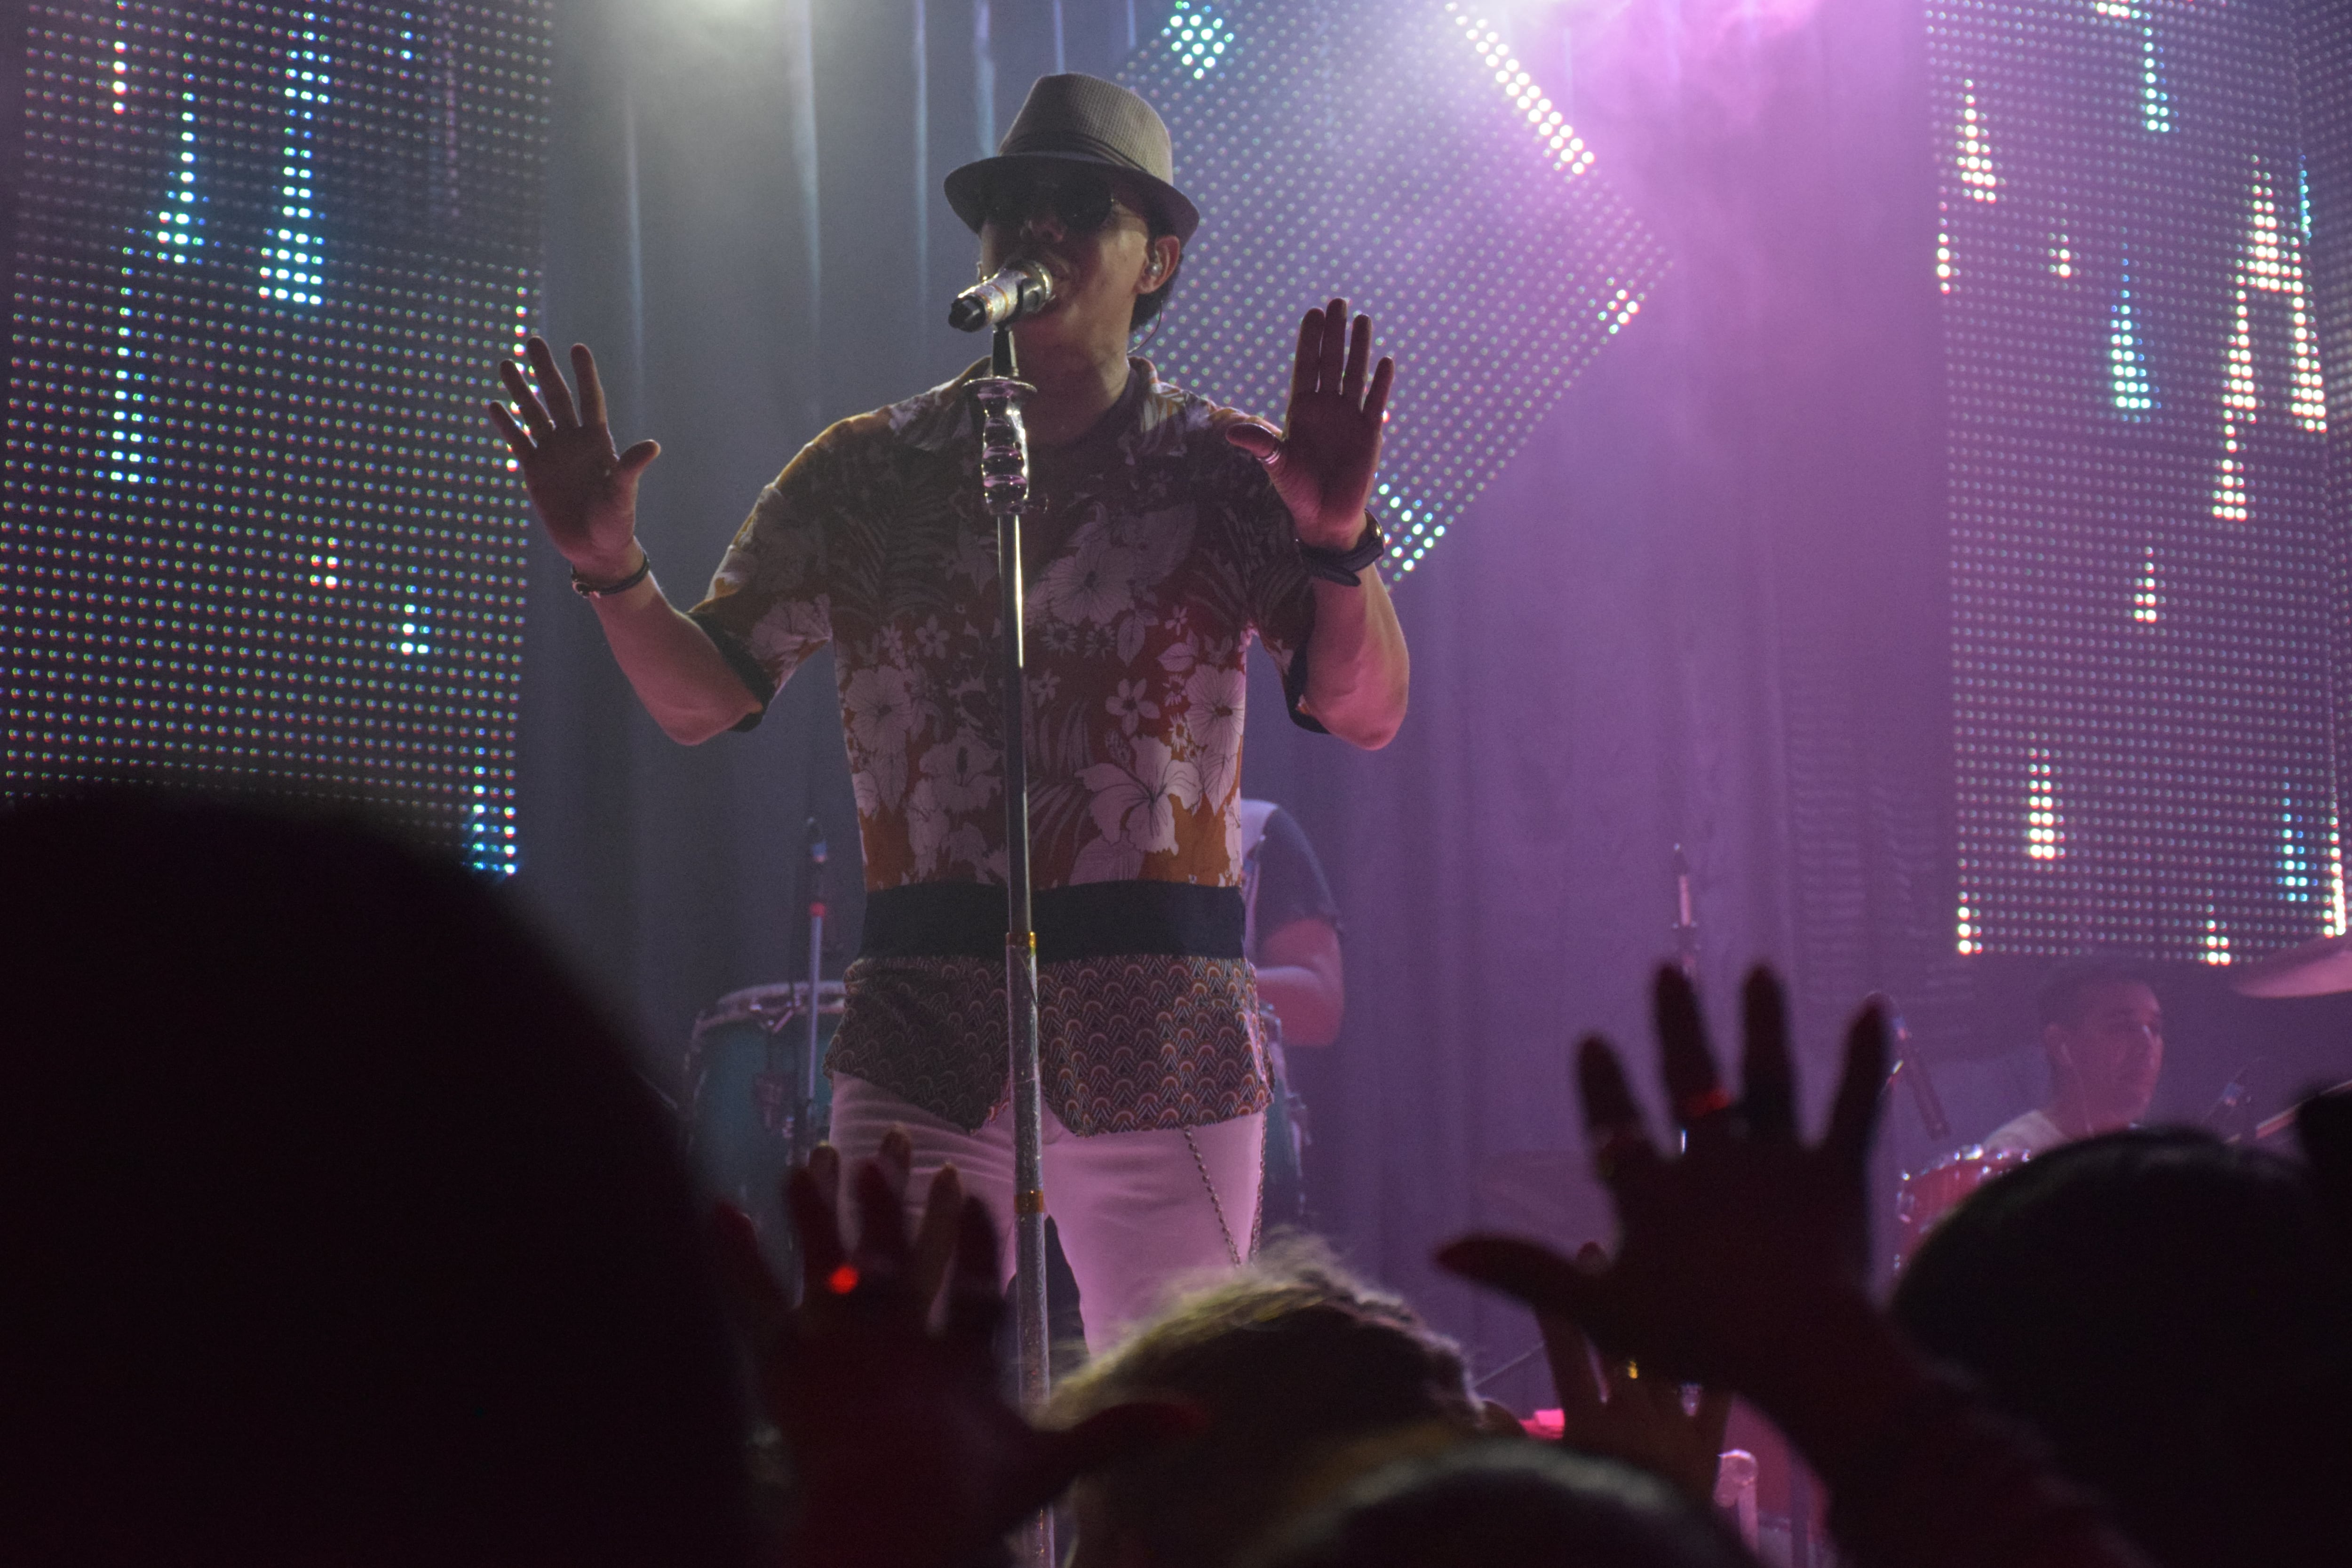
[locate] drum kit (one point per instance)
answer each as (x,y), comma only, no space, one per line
(757,1100)
(2320,968)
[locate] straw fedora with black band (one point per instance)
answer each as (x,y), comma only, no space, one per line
(1079,118)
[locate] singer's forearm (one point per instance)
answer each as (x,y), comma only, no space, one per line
(690,690)
(1300,975)
(1358,672)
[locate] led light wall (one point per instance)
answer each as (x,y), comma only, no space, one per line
(255,530)
(1423,172)
(2143,615)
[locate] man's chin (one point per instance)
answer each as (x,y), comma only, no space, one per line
(1054,330)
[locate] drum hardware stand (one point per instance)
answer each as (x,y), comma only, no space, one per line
(1915,1076)
(1004,487)
(1686,926)
(1685,930)
(2226,1120)
(1479,1384)
(803,1143)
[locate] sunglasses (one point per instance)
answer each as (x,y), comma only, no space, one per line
(1081,201)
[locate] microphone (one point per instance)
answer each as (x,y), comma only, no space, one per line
(1016,294)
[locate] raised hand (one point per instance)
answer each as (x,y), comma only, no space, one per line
(1749,1244)
(585,492)
(905,1455)
(1625,1415)
(1323,459)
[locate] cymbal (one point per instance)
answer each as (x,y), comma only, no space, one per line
(2320,968)
(2284,1120)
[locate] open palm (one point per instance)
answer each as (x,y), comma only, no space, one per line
(585,491)
(1323,459)
(906,1454)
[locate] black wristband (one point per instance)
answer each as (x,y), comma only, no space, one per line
(1346,566)
(588,590)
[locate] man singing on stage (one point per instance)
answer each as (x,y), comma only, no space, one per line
(1162,532)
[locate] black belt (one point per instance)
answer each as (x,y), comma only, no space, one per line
(1092,920)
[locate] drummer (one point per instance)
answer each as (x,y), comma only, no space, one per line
(2102,1030)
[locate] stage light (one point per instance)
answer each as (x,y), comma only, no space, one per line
(1441,190)
(2128,365)
(1197,36)
(1975,156)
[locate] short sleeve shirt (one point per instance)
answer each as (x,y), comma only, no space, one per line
(1175,553)
(1290,885)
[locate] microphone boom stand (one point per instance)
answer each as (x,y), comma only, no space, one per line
(1004,487)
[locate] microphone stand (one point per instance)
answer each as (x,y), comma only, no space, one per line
(1004,487)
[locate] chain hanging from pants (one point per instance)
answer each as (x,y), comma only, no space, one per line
(1257,1219)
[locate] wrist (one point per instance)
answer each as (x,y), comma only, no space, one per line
(1321,532)
(610,583)
(1345,564)
(1834,1379)
(606,565)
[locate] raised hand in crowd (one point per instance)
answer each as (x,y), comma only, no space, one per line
(1622,1415)
(903,1452)
(1743,1267)
(1749,1244)
(584,490)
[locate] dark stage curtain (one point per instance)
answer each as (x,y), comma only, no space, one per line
(1705,606)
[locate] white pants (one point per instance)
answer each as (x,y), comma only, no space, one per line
(1138,1214)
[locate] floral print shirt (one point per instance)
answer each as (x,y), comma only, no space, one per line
(1173,553)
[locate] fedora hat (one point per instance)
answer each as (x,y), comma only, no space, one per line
(1079,118)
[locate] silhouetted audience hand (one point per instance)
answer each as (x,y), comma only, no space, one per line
(903,1452)
(1743,1267)
(1744,1260)
(1623,1414)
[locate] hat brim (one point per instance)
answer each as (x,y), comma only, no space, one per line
(967,188)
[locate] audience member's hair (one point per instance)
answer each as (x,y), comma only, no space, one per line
(337,1229)
(2172,1313)
(1529,1505)
(1294,1361)
(2065,995)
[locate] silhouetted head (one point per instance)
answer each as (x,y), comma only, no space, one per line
(337,1230)
(2175,1315)
(1298,1367)
(1506,1502)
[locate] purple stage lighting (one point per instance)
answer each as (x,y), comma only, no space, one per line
(1398,153)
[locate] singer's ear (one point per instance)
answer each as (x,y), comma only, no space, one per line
(1160,263)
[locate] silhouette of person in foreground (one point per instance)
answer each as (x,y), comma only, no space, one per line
(2175,1315)
(336,1232)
